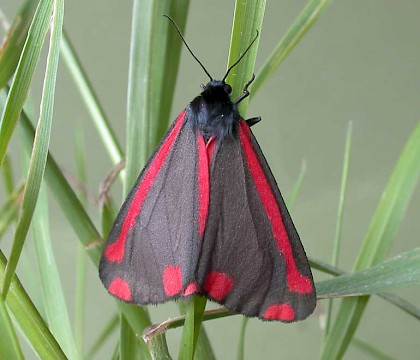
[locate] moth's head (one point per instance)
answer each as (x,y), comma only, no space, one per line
(216,87)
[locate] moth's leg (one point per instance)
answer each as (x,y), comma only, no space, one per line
(245,93)
(253,121)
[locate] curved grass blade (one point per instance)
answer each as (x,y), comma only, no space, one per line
(24,73)
(402,270)
(14,40)
(41,142)
(91,101)
(308,16)
(379,239)
(9,344)
(29,319)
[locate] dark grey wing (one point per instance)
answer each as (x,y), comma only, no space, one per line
(252,260)
(152,250)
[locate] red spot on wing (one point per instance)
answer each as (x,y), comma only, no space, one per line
(191,288)
(218,285)
(172,280)
(203,184)
(296,282)
(283,312)
(115,251)
(120,289)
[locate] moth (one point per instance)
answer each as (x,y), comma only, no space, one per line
(206,217)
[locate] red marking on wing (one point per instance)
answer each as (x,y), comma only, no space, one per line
(115,251)
(120,289)
(295,281)
(203,184)
(283,312)
(191,288)
(172,280)
(218,285)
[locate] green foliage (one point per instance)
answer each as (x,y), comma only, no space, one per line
(154,59)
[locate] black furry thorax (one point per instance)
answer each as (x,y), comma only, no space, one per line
(213,113)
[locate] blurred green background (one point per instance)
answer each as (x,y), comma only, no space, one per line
(359,63)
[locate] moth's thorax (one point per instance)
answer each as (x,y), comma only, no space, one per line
(212,112)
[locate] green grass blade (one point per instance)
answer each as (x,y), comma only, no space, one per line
(24,73)
(109,328)
(178,11)
(147,27)
(29,319)
(9,344)
(308,16)
(384,224)
(14,40)
(247,21)
(41,142)
(192,326)
(91,100)
(337,237)
(53,296)
(129,344)
(402,270)
(81,261)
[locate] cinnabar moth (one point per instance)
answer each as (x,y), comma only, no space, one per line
(205,216)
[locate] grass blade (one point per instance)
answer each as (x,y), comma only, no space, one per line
(308,16)
(369,350)
(29,319)
(178,11)
(53,296)
(41,143)
(9,211)
(80,293)
(24,73)
(402,270)
(247,21)
(337,237)
(9,344)
(14,40)
(378,241)
(91,100)
(192,325)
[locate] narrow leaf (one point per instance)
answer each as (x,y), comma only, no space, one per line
(14,40)
(402,270)
(24,73)
(41,142)
(9,344)
(91,101)
(29,320)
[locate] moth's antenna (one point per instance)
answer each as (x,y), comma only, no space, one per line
(185,43)
(240,58)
